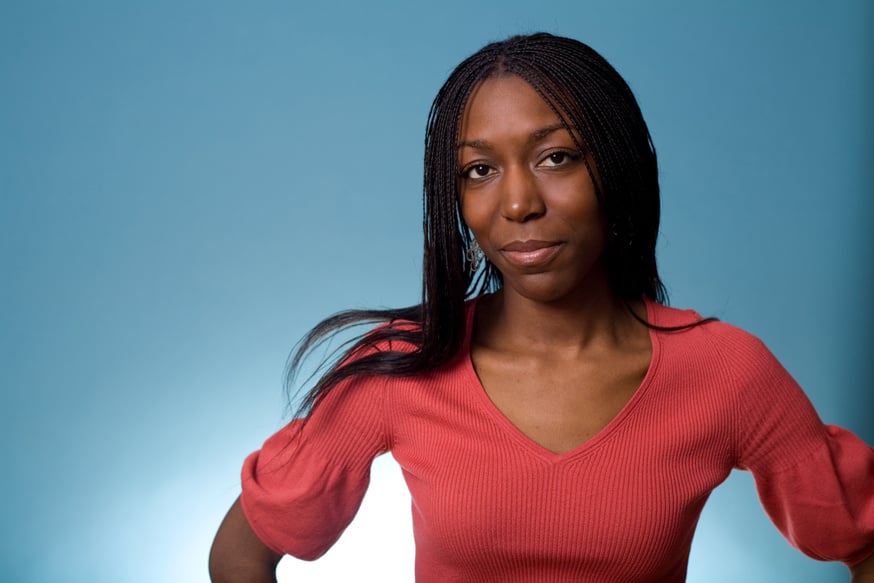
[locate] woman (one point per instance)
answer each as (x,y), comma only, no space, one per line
(561,424)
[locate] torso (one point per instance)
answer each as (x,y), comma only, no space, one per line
(527,467)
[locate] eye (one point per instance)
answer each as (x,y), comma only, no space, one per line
(475,171)
(560,158)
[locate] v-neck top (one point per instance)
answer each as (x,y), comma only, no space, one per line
(490,504)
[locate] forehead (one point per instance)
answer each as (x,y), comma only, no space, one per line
(504,105)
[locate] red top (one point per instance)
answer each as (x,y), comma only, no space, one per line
(489,504)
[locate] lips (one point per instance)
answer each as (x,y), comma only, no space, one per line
(527,246)
(532,253)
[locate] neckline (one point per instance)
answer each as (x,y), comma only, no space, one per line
(484,402)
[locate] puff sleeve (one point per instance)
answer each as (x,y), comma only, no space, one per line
(305,485)
(815,481)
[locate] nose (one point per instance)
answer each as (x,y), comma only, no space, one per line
(521,198)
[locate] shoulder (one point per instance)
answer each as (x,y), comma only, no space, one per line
(399,335)
(691,326)
(668,316)
(770,418)
(728,350)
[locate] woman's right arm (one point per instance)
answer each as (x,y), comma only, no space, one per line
(238,555)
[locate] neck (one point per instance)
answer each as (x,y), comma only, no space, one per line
(571,325)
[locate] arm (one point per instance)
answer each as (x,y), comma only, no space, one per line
(864,571)
(238,555)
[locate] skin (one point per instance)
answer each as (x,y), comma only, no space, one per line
(238,555)
(555,350)
(864,571)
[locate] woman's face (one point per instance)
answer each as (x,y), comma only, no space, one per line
(527,196)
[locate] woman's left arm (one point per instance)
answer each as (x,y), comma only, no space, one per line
(864,571)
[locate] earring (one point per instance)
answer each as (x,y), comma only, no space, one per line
(474,255)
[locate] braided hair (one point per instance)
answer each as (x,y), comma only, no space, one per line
(599,110)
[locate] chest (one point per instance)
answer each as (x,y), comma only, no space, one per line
(484,493)
(559,403)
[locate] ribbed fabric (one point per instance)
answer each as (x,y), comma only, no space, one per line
(489,504)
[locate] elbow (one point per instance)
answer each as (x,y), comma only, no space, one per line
(237,555)
(217,565)
(217,573)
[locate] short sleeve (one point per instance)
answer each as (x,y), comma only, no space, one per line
(305,485)
(815,481)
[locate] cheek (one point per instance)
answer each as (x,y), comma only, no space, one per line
(578,204)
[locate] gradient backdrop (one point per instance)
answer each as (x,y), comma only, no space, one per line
(187,187)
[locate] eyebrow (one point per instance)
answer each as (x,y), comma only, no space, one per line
(535,135)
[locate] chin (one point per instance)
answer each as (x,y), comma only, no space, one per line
(551,288)
(543,292)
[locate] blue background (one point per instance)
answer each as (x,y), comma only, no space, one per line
(186,188)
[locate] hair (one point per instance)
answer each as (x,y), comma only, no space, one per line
(599,110)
